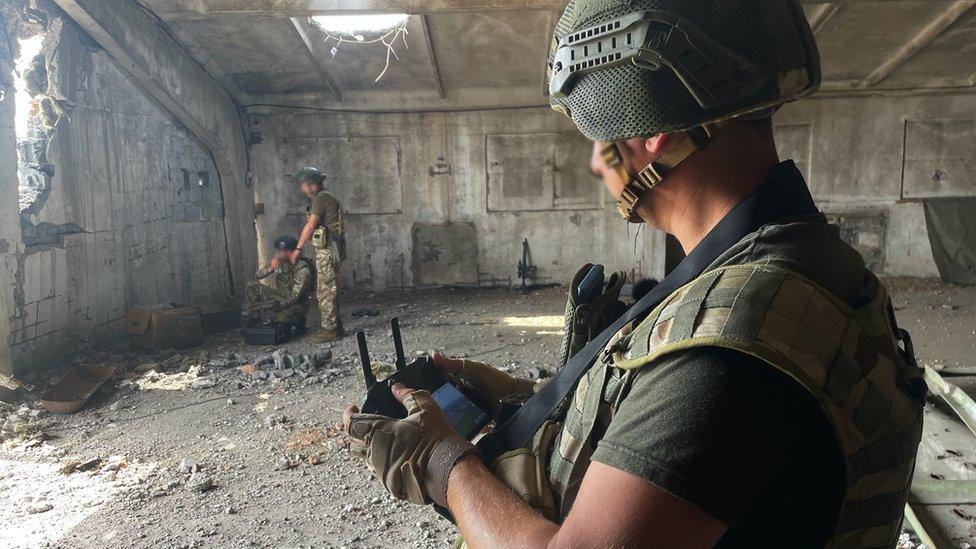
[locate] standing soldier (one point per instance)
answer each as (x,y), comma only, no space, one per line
(324,229)
(761,396)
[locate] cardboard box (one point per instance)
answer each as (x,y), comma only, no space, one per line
(165,326)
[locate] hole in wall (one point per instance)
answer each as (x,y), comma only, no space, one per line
(36,114)
(358,25)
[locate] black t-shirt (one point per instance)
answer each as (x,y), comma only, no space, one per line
(738,439)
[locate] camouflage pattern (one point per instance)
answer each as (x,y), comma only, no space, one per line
(849,359)
(327,288)
(582,321)
(292,291)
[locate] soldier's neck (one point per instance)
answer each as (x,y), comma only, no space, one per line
(702,190)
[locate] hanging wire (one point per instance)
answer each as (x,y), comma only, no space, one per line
(388,39)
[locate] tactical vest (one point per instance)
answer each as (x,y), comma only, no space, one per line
(848,358)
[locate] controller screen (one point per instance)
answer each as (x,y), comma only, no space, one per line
(466,417)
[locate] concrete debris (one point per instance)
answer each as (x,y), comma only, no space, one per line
(89,464)
(275,420)
(258,445)
(908,541)
(203,383)
(188,465)
(114,463)
(36,508)
(282,463)
(199,482)
(23,426)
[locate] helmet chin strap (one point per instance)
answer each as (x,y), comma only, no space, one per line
(635,188)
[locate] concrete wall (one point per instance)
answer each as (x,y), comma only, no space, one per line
(872,161)
(135,214)
(443,198)
(10,241)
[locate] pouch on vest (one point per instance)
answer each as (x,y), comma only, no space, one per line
(320,238)
(593,304)
(338,248)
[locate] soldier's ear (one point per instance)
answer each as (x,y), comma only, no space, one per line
(656,144)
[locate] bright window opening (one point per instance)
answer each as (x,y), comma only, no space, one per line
(29,48)
(32,109)
(358,25)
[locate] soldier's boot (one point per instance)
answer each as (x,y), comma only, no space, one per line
(326,336)
(590,307)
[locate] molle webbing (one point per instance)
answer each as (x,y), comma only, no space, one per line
(847,358)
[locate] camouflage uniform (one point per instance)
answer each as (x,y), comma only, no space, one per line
(292,291)
(327,288)
(329,243)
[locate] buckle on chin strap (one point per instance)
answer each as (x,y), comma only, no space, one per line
(636,188)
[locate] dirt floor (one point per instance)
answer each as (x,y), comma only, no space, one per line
(231,445)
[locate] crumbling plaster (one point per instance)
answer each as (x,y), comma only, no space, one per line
(135,215)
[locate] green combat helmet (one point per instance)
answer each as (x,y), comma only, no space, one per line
(310,174)
(636,68)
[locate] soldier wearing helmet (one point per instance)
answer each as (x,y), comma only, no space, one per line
(327,234)
(761,395)
(287,301)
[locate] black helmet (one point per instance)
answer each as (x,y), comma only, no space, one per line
(309,174)
(286,243)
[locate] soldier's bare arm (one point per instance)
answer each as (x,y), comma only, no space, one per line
(613,509)
(307,230)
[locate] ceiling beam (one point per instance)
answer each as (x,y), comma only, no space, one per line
(429,41)
(917,42)
(193,9)
(301,28)
(820,14)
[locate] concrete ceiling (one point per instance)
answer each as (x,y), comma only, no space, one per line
(491,53)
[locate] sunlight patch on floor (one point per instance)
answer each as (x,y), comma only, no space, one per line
(27,486)
(537,322)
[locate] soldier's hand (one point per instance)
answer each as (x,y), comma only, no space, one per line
(490,384)
(275,263)
(413,456)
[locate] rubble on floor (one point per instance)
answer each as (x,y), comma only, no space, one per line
(235,445)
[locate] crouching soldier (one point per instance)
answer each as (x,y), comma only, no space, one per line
(325,231)
(287,302)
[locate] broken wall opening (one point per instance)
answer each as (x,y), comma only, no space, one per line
(119,204)
(34,122)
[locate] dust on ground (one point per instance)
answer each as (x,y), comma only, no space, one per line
(233,445)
